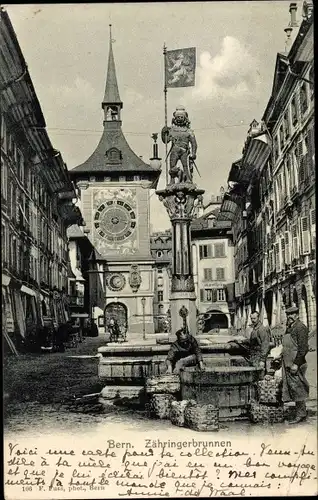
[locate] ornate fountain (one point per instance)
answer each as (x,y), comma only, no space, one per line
(179,198)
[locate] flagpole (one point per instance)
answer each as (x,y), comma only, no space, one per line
(166,109)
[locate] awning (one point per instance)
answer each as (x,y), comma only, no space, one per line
(29,291)
(5,280)
(257,154)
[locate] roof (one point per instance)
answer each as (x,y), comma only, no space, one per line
(111,89)
(113,154)
(127,161)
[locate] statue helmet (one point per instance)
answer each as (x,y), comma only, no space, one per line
(181,112)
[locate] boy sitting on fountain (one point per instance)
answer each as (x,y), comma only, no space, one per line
(185,351)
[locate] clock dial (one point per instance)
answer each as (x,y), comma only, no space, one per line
(115,220)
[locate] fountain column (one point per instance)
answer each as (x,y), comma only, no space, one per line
(179,200)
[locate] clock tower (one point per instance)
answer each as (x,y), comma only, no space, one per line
(114,185)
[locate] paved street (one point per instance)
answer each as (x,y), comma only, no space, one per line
(40,390)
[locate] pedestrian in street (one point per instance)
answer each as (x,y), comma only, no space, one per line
(258,346)
(294,366)
(93,329)
(114,330)
(259,342)
(185,351)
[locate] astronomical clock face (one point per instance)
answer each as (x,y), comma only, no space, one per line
(115,221)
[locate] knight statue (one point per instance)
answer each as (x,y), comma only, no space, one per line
(183,146)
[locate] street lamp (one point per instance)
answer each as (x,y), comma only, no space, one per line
(143,303)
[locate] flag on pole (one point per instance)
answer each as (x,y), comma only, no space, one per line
(180,67)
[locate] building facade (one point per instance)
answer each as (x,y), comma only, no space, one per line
(212,254)
(271,200)
(114,185)
(36,203)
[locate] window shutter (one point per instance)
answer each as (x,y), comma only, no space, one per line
(207,274)
(209,252)
(214,294)
(277,258)
(220,273)
(295,241)
(283,252)
(287,248)
(201,295)
(201,251)
(313,228)
(271,261)
(311,149)
(305,239)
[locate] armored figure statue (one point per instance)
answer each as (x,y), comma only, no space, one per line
(183,146)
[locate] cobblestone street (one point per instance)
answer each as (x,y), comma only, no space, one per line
(40,391)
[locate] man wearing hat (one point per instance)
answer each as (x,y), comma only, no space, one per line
(294,366)
(185,351)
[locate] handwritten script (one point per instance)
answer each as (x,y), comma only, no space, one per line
(158,469)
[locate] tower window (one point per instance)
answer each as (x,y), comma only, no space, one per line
(113,155)
(112,113)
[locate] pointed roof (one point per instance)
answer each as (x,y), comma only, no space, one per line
(113,155)
(111,90)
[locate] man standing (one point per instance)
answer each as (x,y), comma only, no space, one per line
(294,366)
(185,351)
(259,342)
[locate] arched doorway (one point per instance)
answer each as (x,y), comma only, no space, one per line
(303,308)
(117,311)
(215,320)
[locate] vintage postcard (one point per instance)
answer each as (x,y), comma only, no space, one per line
(158,250)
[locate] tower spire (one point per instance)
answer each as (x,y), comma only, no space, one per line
(111,96)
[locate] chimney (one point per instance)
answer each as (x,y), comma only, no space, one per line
(292,11)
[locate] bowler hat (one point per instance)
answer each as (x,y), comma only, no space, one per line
(292,310)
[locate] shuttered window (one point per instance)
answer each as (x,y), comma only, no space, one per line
(286,125)
(295,241)
(283,255)
(311,149)
(305,237)
(294,111)
(287,242)
(303,98)
(313,228)
(220,273)
(207,274)
(277,258)
(219,250)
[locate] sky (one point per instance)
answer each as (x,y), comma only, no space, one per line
(66,49)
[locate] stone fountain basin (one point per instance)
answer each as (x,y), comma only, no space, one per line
(221,375)
(229,388)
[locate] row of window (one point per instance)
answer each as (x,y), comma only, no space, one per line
(297,167)
(121,178)
(212,295)
(301,240)
(295,111)
(209,275)
(209,251)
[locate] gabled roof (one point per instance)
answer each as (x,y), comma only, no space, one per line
(126,161)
